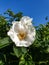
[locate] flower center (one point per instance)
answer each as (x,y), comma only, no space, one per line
(21,35)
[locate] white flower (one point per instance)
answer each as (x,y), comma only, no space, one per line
(22,34)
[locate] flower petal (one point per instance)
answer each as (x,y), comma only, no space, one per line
(18,26)
(26,20)
(23,43)
(31,35)
(11,34)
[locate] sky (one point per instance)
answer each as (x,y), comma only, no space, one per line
(36,9)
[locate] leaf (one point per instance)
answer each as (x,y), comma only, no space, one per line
(1,59)
(26,62)
(17,51)
(22,62)
(1,63)
(24,50)
(4,42)
(47,50)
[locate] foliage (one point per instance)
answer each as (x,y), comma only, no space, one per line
(36,54)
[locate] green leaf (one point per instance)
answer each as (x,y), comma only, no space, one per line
(26,62)
(47,50)
(24,50)
(22,62)
(1,59)
(4,42)
(17,51)
(31,63)
(1,63)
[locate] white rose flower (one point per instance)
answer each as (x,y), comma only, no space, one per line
(22,34)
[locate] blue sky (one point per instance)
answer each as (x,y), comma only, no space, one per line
(37,9)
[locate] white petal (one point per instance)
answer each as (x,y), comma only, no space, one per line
(13,37)
(31,38)
(18,26)
(26,20)
(11,34)
(13,22)
(23,43)
(31,35)
(16,39)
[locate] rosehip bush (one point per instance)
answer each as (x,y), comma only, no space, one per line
(36,54)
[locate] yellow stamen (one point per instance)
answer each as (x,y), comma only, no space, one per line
(21,35)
